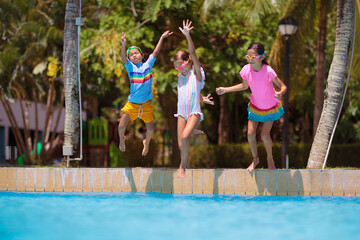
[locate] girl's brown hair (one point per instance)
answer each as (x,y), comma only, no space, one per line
(181,54)
(260,49)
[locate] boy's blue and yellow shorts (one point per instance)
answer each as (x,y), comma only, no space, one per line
(143,111)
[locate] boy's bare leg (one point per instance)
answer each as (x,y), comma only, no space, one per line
(149,134)
(124,120)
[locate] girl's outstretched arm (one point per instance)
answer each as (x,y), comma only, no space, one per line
(159,44)
(208,99)
(123,49)
(186,31)
(239,87)
(282,87)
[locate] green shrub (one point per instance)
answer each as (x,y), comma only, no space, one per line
(239,156)
(344,155)
(133,153)
(117,158)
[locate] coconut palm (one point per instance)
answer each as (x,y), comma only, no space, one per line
(70,74)
(333,91)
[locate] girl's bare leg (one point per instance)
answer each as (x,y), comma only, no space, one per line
(181,123)
(124,120)
(185,143)
(197,131)
(149,134)
(265,136)
(251,134)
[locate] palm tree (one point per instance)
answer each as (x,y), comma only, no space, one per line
(333,91)
(70,74)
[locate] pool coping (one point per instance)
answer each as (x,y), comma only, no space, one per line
(197,181)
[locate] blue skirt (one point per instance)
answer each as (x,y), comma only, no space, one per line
(264,115)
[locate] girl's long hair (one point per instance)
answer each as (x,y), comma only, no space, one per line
(183,55)
(259,48)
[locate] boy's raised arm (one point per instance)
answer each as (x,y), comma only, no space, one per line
(123,49)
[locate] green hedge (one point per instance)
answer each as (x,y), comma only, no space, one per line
(239,156)
(344,155)
(132,156)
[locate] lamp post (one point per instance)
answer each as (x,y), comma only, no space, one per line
(287,27)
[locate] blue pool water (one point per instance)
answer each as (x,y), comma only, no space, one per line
(170,216)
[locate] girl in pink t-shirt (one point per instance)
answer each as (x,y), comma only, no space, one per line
(264,105)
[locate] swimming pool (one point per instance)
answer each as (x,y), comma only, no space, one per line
(176,216)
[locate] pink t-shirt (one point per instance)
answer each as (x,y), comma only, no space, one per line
(261,86)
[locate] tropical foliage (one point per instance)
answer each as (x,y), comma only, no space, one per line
(222,32)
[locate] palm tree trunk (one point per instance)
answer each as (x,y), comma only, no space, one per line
(333,92)
(50,114)
(47,120)
(224,126)
(27,150)
(52,138)
(14,127)
(36,135)
(320,65)
(72,115)
(27,135)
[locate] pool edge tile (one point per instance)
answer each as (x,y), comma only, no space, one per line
(3,179)
(106,177)
(282,182)
(11,180)
(167,180)
(198,181)
(271,188)
(240,181)
(30,179)
(229,181)
(97,180)
(338,186)
(219,181)
(293,182)
(187,182)
(40,180)
(116,180)
(260,182)
(58,179)
(68,180)
(156,180)
(208,181)
(349,184)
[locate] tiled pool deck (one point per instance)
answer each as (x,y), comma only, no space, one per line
(198,181)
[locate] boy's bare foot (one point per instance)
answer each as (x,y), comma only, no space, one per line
(122,144)
(253,164)
(146,148)
(196,132)
(181,173)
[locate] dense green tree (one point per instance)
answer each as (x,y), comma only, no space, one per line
(31,32)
